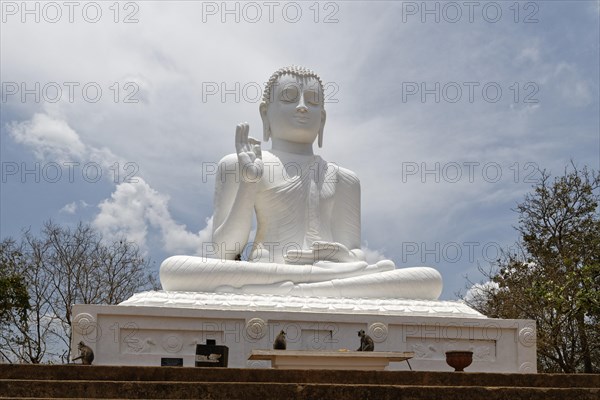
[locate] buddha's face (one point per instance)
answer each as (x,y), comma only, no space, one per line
(295,111)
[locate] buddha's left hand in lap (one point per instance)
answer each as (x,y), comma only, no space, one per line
(324,251)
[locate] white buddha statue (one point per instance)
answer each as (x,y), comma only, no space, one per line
(307,211)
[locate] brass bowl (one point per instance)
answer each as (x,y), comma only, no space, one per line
(459,360)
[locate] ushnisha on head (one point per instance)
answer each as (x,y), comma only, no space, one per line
(291,70)
(292,108)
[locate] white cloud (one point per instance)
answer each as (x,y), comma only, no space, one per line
(135,207)
(48,136)
(529,54)
(51,138)
(371,255)
(575,89)
(71,208)
(479,292)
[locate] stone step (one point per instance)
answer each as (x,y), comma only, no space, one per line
(265,390)
(169,374)
(106,382)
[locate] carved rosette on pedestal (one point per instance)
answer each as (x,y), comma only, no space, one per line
(527,336)
(86,325)
(256,328)
(172,343)
(527,368)
(378,332)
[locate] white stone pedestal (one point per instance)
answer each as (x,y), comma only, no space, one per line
(155,325)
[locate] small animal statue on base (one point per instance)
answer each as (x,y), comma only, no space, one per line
(280,343)
(366,343)
(86,354)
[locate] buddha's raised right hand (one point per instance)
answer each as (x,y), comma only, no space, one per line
(249,154)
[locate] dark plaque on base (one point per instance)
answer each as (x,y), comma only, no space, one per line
(171,362)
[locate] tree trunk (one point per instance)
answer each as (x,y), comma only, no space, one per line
(585,347)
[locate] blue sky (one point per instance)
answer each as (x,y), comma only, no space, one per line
(116,115)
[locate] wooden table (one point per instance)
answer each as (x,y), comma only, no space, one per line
(309,359)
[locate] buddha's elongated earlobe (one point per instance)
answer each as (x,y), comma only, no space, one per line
(322,127)
(320,137)
(266,127)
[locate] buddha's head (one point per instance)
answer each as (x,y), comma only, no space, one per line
(293,106)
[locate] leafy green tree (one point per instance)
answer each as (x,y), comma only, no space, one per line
(13,291)
(554,277)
